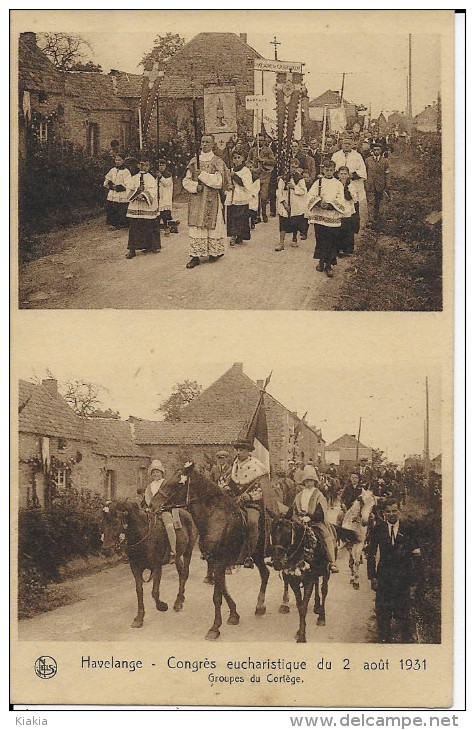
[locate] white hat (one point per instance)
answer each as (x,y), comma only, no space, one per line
(309,472)
(156,464)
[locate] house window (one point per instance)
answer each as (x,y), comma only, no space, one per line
(143,477)
(42,96)
(43,132)
(61,480)
(62,444)
(110,485)
(92,139)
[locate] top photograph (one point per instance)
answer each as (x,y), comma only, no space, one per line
(239,170)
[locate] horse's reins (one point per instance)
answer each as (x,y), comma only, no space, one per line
(150,527)
(294,552)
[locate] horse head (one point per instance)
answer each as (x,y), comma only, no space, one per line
(367,501)
(114,525)
(286,538)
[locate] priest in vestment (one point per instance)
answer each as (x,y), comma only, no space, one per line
(203,182)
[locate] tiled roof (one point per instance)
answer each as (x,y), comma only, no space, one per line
(126,85)
(113,437)
(46,414)
(204,59)
(330,98)
(93,91)
(185,432)
(36,71)
(345,442)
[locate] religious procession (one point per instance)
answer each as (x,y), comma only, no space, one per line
(222,153)
(335,531)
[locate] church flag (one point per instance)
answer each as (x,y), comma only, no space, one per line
(152,78)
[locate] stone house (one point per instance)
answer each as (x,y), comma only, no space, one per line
(347,450)
(58,450)
(76,107)
(217,417)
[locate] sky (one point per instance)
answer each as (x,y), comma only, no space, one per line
(336,379)
(375,65)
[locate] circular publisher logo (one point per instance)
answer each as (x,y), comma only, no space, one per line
(45,667)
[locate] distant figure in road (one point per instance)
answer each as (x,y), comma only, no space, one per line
(350,221)
(261,159)
(237,200)
(116,182)
(352,491)
(395,574)
(291,204)
(350,158)
(377,184)
(204,181)
(165,194)
(142,213)
(326,206)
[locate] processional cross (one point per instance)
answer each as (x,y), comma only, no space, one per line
(275,43)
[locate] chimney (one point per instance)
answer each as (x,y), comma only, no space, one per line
(50,384)
(260,384)
(243,37)
(29,38)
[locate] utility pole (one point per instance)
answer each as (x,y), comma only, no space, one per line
(426,444)
(409,99)
(342,89)
(358,441)
(275,43)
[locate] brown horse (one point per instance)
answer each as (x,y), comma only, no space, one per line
(222,533)
(147,547)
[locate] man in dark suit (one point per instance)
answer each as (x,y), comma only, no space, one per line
(352,491)
(377,183)
(395,574)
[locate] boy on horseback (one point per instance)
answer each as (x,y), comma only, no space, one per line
(310,506)
(249,482)
(156,497)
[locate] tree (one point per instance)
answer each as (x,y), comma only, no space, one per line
(65,50)
(88,66)
(378,457)
(108,413)
(82,396)
(182,394)
(164,47)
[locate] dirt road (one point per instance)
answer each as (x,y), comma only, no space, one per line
(91,272)
(104,605)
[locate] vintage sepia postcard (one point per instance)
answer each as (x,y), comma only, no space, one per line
(224,508)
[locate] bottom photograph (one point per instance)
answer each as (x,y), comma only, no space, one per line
(248,500)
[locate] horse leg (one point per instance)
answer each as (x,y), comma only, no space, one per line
(209,574)
(351,563)
(137,623)
(317,608)
(157,577)
(234,617)
(356,566)
(284,606)
(261,598)
(183,569)
(322,619)
(303,608)
(295,585)
(219,589)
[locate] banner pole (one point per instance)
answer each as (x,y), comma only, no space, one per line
(140,129)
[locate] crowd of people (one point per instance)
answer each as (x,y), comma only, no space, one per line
(313,494)
(338,187)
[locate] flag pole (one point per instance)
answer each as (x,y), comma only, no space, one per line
(140,129)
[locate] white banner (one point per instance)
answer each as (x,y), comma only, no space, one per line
(220,109)
(337,119)
(257,101)
(264,64)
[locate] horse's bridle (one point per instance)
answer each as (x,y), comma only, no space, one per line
(288,556)
(151,520)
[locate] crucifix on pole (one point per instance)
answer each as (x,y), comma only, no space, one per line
(275,43)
